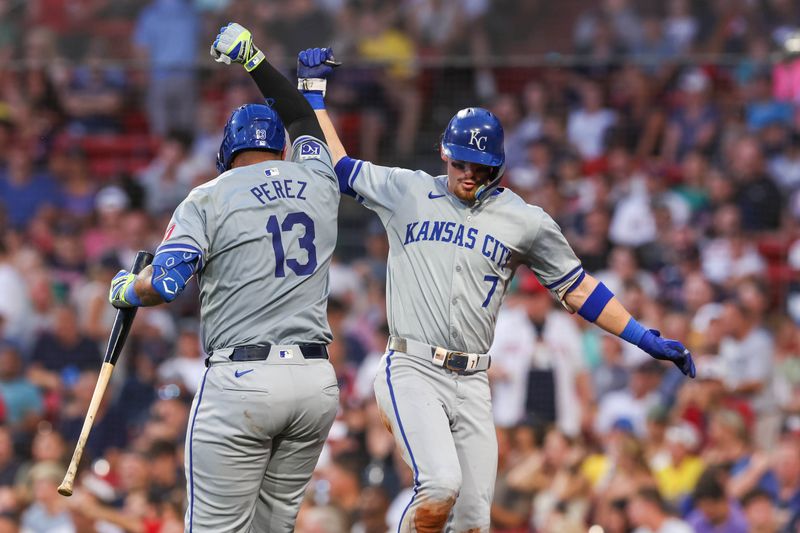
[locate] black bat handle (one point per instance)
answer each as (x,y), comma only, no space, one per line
(124,318)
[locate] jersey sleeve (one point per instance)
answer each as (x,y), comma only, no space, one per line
(189,228)
(551,257)
(314,154)
(374,186)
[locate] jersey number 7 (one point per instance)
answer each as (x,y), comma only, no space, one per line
(306,242)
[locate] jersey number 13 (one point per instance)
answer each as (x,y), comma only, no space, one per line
(306,242)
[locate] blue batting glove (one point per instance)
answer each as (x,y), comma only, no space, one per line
(311,63)
(122,293)
(668,350)
(234,44)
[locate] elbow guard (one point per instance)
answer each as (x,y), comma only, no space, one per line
(172,270)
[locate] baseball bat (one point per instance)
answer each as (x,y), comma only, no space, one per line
(116,341)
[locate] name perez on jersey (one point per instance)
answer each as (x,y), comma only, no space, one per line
(457,234)
(278,189)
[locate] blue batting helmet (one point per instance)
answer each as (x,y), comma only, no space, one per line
(250,127)
(475,135)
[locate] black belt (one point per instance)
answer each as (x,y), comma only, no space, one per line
(261,352)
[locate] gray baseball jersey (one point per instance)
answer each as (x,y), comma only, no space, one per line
(266,233)
(448,269)
(450,263)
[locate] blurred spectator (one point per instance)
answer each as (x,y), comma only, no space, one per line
(539,370)
(49,511)
(58,356)
(760,512)
(757,196)
(747,351)
(167,38)
(649,513)
(9,463)
(785,166)
(22,400)
(187,365)
(94,96)
(587,126)
(677,479)
(729,255)
(714,510)
(633,403)
(168,179)
(24,191)
(15,306)
(694,125)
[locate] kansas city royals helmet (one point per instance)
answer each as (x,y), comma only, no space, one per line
(250,127)
(475,135)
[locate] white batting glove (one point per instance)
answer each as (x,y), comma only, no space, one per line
(234,44)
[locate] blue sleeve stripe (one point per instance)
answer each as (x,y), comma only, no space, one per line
(596,302)
(344,170)
(633,332)
(354,174)
(576,282)
(564,278)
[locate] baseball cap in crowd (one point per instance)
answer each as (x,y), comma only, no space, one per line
(111,198)
(623,424)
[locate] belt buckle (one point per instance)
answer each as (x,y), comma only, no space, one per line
(457,361)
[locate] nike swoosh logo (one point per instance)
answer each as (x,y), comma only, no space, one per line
(434,196)
(240,373)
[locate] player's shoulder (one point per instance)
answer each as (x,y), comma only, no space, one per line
(508,201)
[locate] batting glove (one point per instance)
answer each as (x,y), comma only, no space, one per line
(668,350)
(311,63)
(122,294)
(234,44)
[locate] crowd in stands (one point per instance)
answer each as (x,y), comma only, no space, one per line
(663,137)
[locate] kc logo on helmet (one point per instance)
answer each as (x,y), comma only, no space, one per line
(261,135)
(478,142)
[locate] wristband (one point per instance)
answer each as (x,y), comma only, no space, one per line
(130,295)
(254,61)
(312,84)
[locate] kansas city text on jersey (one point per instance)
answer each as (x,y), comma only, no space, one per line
(459,235)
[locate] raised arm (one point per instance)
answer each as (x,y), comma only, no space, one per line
(234,44)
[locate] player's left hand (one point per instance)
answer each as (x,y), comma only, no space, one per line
(311,63)
(119,286)
(668,350)
(234,44)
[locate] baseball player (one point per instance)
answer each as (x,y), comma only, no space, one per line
(259,238)
(455,242)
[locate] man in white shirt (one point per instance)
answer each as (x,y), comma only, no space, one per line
(534,341)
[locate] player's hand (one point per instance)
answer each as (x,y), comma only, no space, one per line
(311,63)
(668,350)
(234,44)
(119,286)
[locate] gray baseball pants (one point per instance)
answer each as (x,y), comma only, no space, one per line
(256,430)
(442,422)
